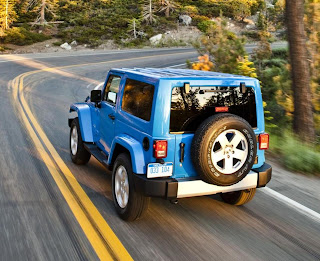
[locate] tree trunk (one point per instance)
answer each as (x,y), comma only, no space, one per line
(167,12)
(134,28)
(7,13)
(303,124)
(42,12)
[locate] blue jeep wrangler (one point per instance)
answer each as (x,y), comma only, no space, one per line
(174,133)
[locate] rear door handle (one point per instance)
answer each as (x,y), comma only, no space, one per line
(112,117)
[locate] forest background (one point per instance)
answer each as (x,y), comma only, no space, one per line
(290,77)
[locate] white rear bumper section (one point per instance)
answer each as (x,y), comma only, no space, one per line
(194,188)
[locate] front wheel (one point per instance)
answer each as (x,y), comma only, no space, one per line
(129,203)
(79,154)
(238,197)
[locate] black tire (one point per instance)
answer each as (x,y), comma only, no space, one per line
(80,155)
(137,204)
(238,197)
(205,141)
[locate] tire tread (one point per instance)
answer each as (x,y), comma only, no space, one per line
(82,156)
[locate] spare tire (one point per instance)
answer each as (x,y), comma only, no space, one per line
(224,149)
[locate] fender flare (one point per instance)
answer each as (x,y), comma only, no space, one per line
(135,149)
(85,122)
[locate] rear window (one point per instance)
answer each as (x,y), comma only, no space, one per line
(188,111)
(137,99)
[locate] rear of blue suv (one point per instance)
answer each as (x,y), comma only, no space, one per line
(173,134)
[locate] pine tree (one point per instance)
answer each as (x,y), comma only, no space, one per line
(42,7)
(133,26)
(167,6)
(148,13)
(7,15)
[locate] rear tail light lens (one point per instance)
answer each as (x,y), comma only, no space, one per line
(160,148)
(222,109)
(264,141)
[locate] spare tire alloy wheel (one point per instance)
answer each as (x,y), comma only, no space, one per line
(224,149)
(229,151)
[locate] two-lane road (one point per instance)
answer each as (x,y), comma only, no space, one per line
(52,209)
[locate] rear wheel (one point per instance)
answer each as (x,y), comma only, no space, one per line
(129,203)
(238,197)
(79,154)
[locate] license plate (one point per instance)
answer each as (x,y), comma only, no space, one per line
(156,170)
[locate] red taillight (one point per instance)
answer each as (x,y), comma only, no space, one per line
(160,149)
(222,109)
(264,141)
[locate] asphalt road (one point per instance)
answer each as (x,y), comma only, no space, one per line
(37,222)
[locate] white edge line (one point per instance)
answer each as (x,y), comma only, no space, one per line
(181,64)
(98,86)
(293,204)
(177,65)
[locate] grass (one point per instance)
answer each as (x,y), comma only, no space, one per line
(294,154)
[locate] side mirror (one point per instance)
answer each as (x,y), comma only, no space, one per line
(96,96)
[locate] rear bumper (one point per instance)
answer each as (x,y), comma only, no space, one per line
(170,188)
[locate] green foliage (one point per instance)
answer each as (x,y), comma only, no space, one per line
(254,35)
(294,154)
(58,43)
(190,10)
(171,43)
(281,53)
(241,8)
(273,72)
(246,67)
(206,26)
(22,36)
(224,48)
(262,23)
(198,19)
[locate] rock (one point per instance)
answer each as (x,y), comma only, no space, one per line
(141,34)
(185,19)
(74,43)
(269,6)
(250,26)
(155,39)
(66,46)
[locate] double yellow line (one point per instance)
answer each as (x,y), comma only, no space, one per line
(103,240)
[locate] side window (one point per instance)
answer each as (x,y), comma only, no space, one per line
(137,99)
(112,89)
